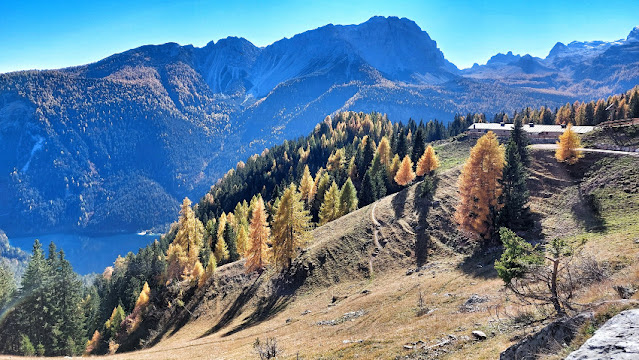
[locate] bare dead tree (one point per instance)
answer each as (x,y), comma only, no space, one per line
(266,350)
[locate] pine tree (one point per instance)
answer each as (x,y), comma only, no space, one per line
(307,187)
(367,153)
(514,214)
(520,138)
(329,210)
(291,226)
(634,104)
(405,174)
(7,286)
(402,144)
(479,187)
(567,147)
(428,162)
(348,198)
(257,253)
(70,317)
(419,146)
(323,183)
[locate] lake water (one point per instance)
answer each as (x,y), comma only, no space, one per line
(88,254)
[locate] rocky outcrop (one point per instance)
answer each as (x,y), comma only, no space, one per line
(616,339)
(548,339)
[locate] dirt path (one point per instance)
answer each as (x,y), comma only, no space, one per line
(378,246)
(614,152)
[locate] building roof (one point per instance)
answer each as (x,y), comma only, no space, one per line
(534,129)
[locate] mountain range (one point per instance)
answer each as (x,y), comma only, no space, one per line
(114,145)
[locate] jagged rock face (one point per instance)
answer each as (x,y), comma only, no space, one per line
(618,339)
(548,340)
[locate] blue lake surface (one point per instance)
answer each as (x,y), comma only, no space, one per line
(88,254)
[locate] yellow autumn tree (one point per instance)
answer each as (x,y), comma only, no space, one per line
(209,271)
(307,186)
(132,322)
(384,151)
(259,233)
(183,252)
(93,343)
(291,226)
(405,174)
(479,187)
(394,167)
(242,240)
(567,147)
(330,210)
(221,251)
(428,162)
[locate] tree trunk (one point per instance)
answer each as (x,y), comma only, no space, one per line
(553,288)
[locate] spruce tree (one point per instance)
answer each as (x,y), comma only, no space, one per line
(7,286)
(515,213)
(520,138)
(402,144)
(231,242)
(419,146)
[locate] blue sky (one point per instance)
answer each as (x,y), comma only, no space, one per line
(54,34)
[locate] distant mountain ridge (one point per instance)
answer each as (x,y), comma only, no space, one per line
(582,68)
(114,145)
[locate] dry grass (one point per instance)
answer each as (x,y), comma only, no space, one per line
(346,265)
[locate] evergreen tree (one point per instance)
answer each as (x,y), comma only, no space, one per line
(26,347)
(405,174)
(348,198)
(7,286)
(479,187)
(634,104)
(114,324)
(329,210)
(419,146)
(257,253)
(520,138)
(291,226)
(231,242)
(69,314)
(367,153)
(322,186)
(514,214)
(402,145)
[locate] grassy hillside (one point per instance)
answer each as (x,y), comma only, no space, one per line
(353,292)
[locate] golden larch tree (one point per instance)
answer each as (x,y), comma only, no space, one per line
(384,151)
(479,187)
(428,162)
(291,227)
(329,210)
(221,251)
(394,167)
(405,174)
(185,248)
(307,186)
(567,147)
(259,233)
(242,240)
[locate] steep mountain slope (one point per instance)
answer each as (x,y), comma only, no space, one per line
(353,292)
(160,122)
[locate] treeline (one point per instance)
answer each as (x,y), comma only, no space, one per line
(616,107)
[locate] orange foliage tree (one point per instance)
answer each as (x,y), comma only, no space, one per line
(479,187)
(405,174)
(428,162)
(567,147)
(259,232)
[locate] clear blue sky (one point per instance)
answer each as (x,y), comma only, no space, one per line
(53,34)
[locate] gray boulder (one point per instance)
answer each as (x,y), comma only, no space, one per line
(548,340)
(618,339)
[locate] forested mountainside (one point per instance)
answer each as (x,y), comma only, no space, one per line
(356,161)
(157,123)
